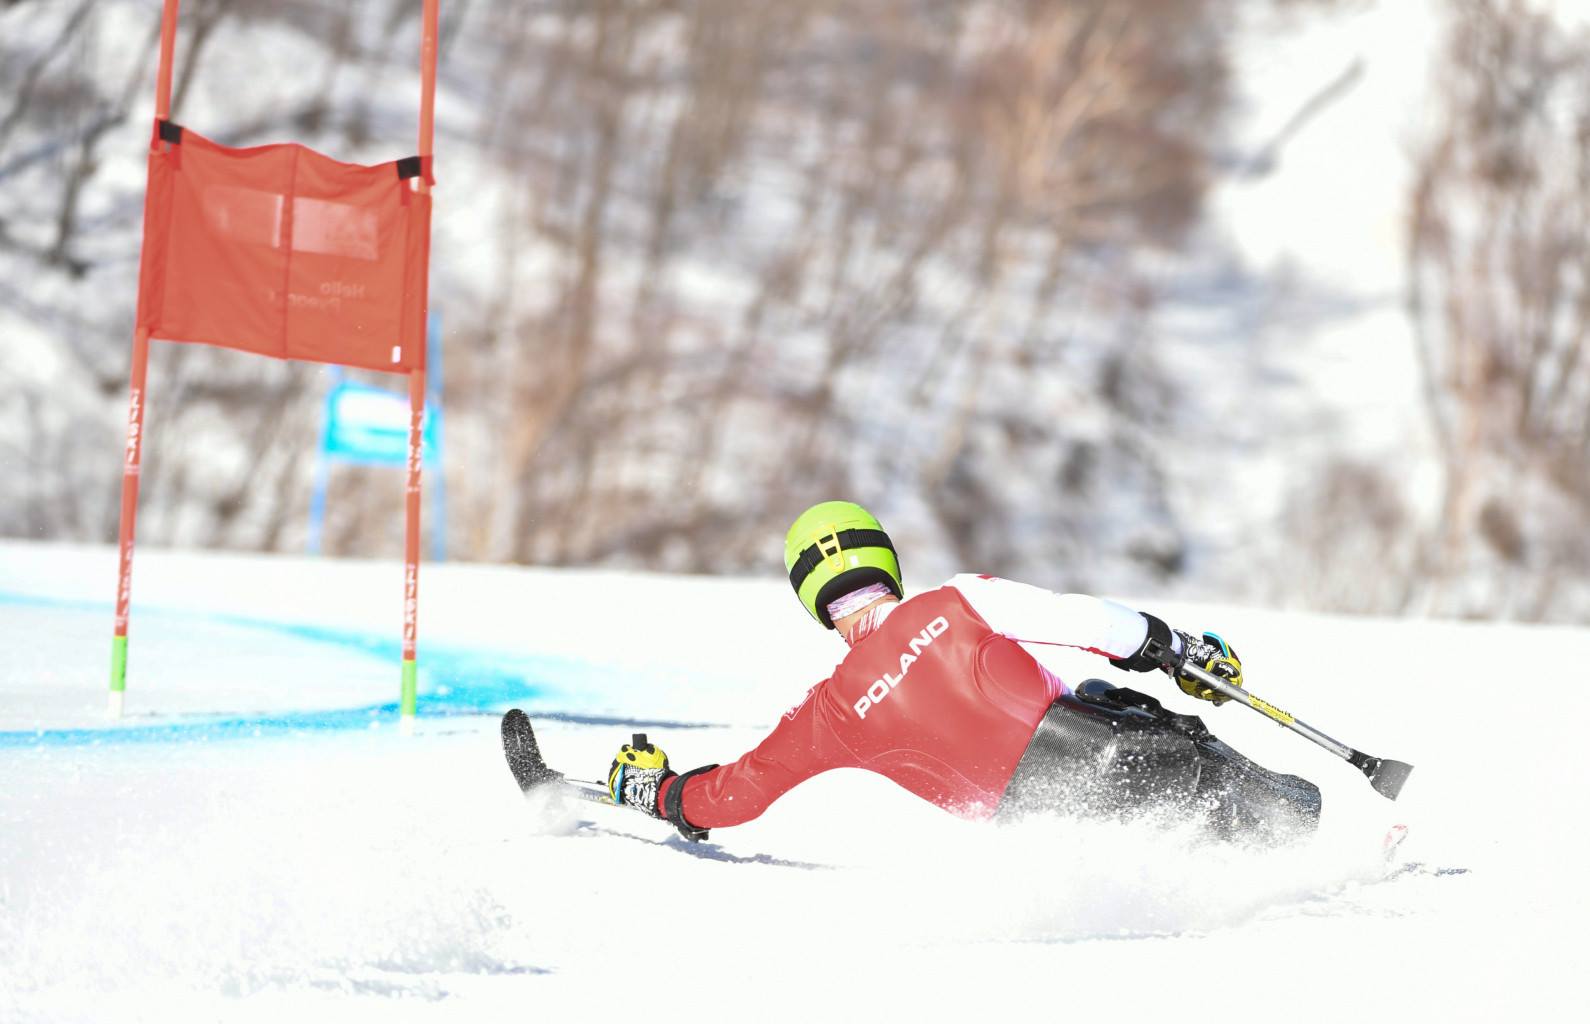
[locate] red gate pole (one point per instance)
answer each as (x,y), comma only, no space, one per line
(168,44)
(411,531)
(411,550)
(427,80)
(132,458)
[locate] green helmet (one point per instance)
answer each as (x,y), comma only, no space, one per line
(836,547)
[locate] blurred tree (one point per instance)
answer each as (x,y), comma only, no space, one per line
(1499,258)
(885,249)
(701,262)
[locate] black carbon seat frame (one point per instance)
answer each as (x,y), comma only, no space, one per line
(1108,750)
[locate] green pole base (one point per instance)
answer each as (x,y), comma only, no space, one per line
(410,675)
(118,675)
(118,664)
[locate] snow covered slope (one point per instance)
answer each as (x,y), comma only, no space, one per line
(256,839)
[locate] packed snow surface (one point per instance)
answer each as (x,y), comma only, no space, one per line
(257,839)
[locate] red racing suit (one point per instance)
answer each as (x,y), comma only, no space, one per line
(936,694)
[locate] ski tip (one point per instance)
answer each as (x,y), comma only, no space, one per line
(523,752)
(1388,777)
(516,726)
(517,735)
(1392,843)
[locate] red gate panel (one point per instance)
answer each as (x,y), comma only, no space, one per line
(284,252)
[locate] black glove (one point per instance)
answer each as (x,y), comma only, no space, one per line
(1158,650)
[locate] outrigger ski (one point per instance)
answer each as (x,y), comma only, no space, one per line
(531,772)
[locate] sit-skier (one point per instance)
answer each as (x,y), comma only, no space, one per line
(937,694)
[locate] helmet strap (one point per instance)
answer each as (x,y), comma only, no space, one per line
(856,600)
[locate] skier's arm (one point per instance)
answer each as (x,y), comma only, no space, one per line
(1135,641)
(798,748)
(1029,614)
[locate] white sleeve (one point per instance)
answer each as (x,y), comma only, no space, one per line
(1037,616)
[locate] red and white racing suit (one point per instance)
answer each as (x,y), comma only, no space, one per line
(936,694)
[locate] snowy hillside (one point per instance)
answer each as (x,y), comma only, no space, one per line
(257,841)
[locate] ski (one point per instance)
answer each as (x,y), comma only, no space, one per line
(1389,845)
(531,771)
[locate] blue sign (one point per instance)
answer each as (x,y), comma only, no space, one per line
(370,426)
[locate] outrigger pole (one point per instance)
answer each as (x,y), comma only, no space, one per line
(1384,774)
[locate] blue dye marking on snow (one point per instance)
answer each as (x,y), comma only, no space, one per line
(453,682)
(53,602)
(207,728)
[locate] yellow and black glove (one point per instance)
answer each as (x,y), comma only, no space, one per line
(637,772)
(1211,653)
(1169,650)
